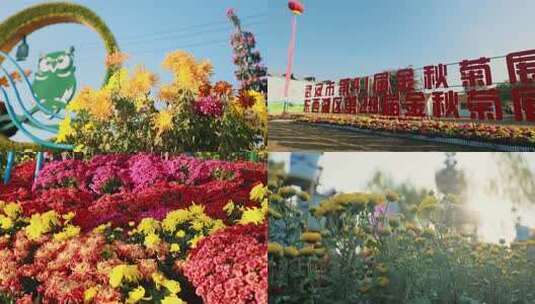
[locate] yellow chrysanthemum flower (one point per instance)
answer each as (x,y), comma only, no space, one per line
(169,93)
(172,299)
(175,218)
(102,228)
(5,222)
(174,248)
(197,225)
(311,237)
(216,225)
(259,107)
(180,234)
(307,251)
(139,85)
(229,208)
(135,295)
(172,286)
(41,224)
(82,101)
(189,74)
(196,210)
(118,80)
(275,248)
(148,225)
(193,242)
(151,240)
(102,105)
(128,273)
(68,216)
(89,294)
(65,129)
(12,210)
(205,219)
(258,193)
(68,232)
(291,251)
(163,121)
(252,216)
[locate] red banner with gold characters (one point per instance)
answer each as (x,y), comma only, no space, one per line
(399,93)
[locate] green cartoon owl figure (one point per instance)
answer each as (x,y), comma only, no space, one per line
(54,84)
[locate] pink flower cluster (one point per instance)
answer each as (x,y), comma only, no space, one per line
(60,174)
(133,173)
(122,188)
(209,106)
(231,266)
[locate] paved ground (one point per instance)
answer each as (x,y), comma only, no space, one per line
(291,136)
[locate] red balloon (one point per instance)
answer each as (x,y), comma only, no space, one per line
(296,7)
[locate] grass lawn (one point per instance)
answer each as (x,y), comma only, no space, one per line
(275,107)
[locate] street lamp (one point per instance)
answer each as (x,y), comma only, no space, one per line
(23,50)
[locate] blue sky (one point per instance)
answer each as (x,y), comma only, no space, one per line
(341,38)
(147,31)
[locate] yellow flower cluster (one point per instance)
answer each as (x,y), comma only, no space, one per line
(68,232)
(97,103)
(189,74)
(229,208)
(138,87)
(135,295)
(259,108)
(291,251)
(124,273)
(11,213)
(170,285)
(163,121)
(41,224)
(131,274)
(341,201)
(11,210)
(195,217)
(65,129)
(258,193)
(275,248)
(6,222)
(252,216)
(427,205)
(311,237)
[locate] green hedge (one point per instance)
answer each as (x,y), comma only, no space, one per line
(41,12)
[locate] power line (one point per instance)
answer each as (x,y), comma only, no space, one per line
(138,37)
(184,35)
(197,44)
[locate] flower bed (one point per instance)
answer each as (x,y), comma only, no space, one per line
(498,134)
(363,254)
(129,228)
(133,112)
